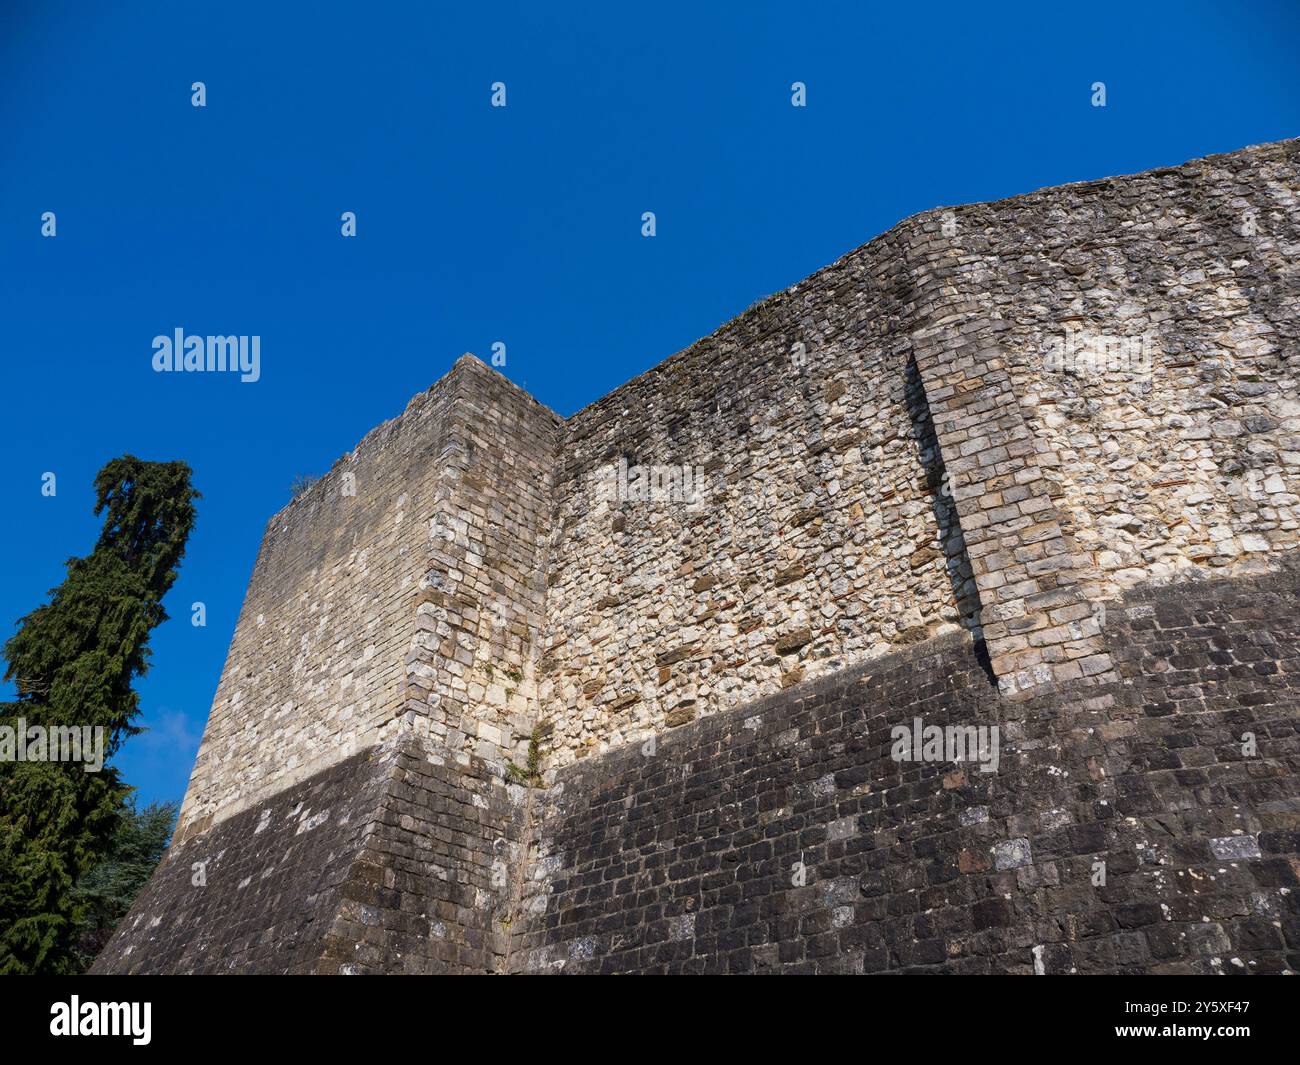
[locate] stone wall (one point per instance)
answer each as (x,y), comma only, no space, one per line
(1151,824)
(1150,327)
(315,670)
(1040,343)
(472,669)
(820,536)
(931,434)
(401,592)
(392,860)
(615,669)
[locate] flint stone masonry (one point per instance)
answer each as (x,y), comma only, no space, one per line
(951,474)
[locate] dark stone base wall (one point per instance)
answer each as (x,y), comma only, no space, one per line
(432,890)
(783,838)
(389,862)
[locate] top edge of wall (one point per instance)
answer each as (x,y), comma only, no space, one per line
(468,363)
(1267,149)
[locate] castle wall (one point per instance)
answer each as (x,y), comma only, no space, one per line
(1149,325)
(315,670)
(898,489)
(1064,500)
(1154,458)
(820,536)
(401,592)
(1128,827)
(472,673)
(390,860)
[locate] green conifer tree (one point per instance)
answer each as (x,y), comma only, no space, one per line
(73,661)
(108,890)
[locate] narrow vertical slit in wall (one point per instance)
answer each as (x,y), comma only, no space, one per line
(960,573)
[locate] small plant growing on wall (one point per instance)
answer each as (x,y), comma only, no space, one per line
(530,774)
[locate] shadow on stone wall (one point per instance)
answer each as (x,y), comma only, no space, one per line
(960,574)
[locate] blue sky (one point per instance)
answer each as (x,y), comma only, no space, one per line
(478,224)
